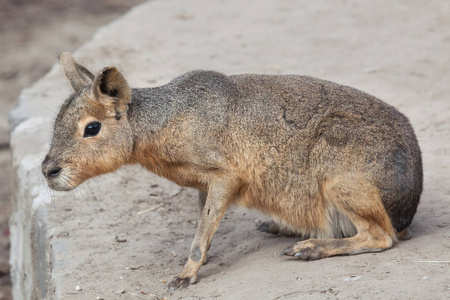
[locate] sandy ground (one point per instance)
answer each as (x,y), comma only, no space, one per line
(31,33)
(155,220)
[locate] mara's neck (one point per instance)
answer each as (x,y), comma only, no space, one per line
(149,110)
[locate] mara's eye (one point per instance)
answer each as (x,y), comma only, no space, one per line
(92,129)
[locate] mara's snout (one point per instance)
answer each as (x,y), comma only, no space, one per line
(55,175)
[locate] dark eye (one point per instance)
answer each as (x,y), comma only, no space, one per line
(92,129)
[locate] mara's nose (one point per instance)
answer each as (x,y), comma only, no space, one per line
(50,168)
(53,172)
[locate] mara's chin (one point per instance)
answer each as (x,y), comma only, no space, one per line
(61,188)
(57,185)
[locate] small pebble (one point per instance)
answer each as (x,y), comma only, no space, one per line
(78,288)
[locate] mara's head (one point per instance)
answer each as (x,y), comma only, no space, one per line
(91,134)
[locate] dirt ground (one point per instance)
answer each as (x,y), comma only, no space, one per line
(31,33)
(244,261)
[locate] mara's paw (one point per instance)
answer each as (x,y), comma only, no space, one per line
(268,227)
(306,250)
(180,283)
(273,228)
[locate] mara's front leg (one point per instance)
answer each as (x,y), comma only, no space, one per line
(220,194)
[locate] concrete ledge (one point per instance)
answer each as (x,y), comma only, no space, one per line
(64,246)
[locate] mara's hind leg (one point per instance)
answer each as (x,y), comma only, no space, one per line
(359,200)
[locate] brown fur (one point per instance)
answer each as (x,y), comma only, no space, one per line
(325,161)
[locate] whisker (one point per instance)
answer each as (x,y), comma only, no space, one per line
(91,192)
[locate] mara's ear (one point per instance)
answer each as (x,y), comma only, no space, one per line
(111,89)
(78,75)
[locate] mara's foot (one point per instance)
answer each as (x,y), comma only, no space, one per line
(306,250)
(180,283)
(273,228)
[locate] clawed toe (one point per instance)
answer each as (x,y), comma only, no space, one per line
(306,254)
(179,283)
(268,227)
(303,251)
(289,251)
